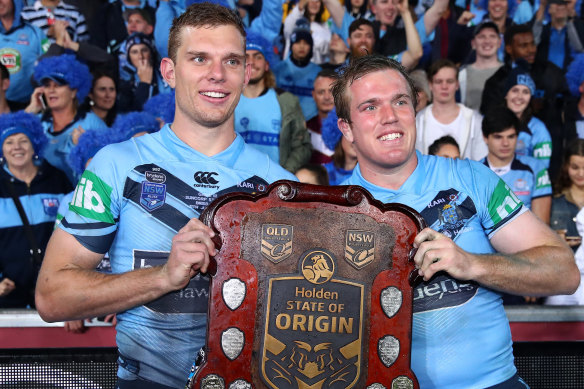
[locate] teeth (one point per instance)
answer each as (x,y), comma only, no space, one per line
(391,136)
(214,94)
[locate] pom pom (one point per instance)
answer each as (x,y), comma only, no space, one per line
(575,74)
(130,124)
(161,106)
(90,142)
(331,135)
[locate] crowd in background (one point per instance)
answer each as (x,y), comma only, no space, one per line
(499,81)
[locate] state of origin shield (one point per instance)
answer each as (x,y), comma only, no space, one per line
(310,289)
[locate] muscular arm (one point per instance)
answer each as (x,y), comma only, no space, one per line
(68,286)
(530,260)
(541,207)
(433,14)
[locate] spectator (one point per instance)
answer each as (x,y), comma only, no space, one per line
(30,193)
(138,20)
(423,93)
(21,45)
(102,97)
(269,118)
(485,42)
(313,173)
(446,117)
(445,147)
(140,76)
(568,197)
(313,11)
(550,87)
(64,83)
(108,29)
(296,74)
(324,104)
(344,157)
(574,110)
(4,85)
(44,13)
(558,40)
(534,139)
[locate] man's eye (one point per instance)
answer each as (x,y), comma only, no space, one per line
(233,62)
(369,108)
(199,59)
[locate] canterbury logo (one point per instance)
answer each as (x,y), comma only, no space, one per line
(206,178)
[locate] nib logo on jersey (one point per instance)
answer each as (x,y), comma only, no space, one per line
(92,198)
(206,180)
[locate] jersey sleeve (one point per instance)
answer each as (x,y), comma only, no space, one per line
(542,185)
(94,210)
(541,142)
(496,202)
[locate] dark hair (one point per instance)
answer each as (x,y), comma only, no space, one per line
(357,23)
(516,29)
(319,172)
(362,66)
(575,147)
(499,119)
(439,64)
(142,12)
(438,143)
(328,73)
(318,16)
(5,75)
(112,113)
(199,15)
(362,8)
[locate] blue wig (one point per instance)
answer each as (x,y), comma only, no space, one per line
(161,106)
(27,124)
(331,135)
(132,123)
(90,142)
(255,41)
(65,68)
(575,74)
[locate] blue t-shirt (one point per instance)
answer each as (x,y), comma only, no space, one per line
(300,82)
(259,121)
(527,177)
(536,143)
(461,337)
(336,174)
(131,201)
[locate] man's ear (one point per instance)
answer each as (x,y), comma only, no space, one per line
(167,71)
(5,84)
(345,129)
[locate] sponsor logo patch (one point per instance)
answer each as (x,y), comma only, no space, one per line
(152,195)
(51,205)
(92,198)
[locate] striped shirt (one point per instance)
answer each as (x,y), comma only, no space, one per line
(43,17)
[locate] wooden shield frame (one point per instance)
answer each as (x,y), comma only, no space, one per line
(311,288)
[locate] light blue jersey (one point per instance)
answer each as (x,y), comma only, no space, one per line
(461,337)
(259,121)
(536,143)
(300,82)
(527,177)
(131,201)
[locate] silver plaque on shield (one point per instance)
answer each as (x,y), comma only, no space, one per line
(233,293)
(402,382)
(232,341)
(212,381)
(391,300)
(376,386)
(388,350)
(240,384)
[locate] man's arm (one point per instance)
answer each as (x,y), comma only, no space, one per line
(433,14)
(541,207)
(414,52)
(531,260)
(336,10)
(69,288)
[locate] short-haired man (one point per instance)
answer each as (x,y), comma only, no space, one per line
(323,97)
(481,239)
(447,117)
(526,176)
(270,118)
(140,200)
(485,42)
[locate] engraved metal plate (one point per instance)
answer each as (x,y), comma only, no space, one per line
(388,350)
(391,300)
(232,341)
(240,384)
(276,243)
(212,381)
(402,382)
(376,386)
(359,248)
(233,292)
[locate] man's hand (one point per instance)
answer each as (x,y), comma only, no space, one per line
(191,250)
(436,252)
(465,18)
(145,71)
(402,6)
(6,286)
(75,326)
(77,132)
